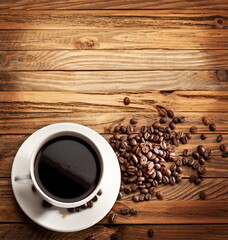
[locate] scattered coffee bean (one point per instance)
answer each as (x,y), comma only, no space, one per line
(133,121)
(123,129)
(115,237)
(133,211)
(176,120)
(89,204)
(201,161)
(178,179)
(185,152)
(183,140)
(159,195)
(202,195)
(202,169)
(141,197)
(225,154)
(124,211)
(203,136)
(188,135)
(179,169)
(172,180)
(205,120)
(170,113)
(212,127)
(126,101)
(184,161)
(99,192)
(193,129)
(195,155)
(200,150)
(163,120)
(90,238)
(222,147)
(112,217)
(190,162)
(172,125)
(71,210)
(150,233)
(135,198)
(195,165)
(117,128)
(46,204)
(181,119)
(127,190)
(192,178)
(148,196)
(197,181)
(219,138)
(162,111)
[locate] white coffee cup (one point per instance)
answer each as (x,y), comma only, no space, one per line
(82,132)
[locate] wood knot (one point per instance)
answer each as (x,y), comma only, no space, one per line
(222,75)
(86,44)
(220,22)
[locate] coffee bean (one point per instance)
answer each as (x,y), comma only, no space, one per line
(159,195)
(141,197)
(201,161)
(46,204)
(193,129)
(158,175)
(144,191)
(178,179)
(90,238)
(126,101)
(181,119)
(133,142)
(112,217)
(190,162)
(197,181)
(170,113)
(117,128)
(222,147)
(134,187)
(143,129)
(202,169)
(151,190)
(156,125)
(202,195)
(167,172)
(90,204)
(225,154)
(71,210)
(133,211)
(124,211)
(195,165)
(176,120)
(130,129)
(115,237)
(127,190)
(150,233)
(219,138)
(135,198)
(184,161)
(212,127)
(203,136)
(200,150)
(148,196)
(163,120)
(183,140)
(192,178)
(172,125)
(205,120)
(207,155)
(185,152)
(172,180)
(195,155)
(165,180)
(173,168)
(123,129)
(133,121)
(99,192)
(84,206)
(188,135)
(179,169)
(178,162)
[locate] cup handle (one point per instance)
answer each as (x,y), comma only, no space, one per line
(24,179)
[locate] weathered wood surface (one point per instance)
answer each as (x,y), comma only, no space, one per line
(112,80)
(114,60)
(113,4)
(113,39)
(103,232)
(114,19)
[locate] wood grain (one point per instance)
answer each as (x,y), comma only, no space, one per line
(102,232)
(113,39)
(152,212)
(216,189)
(114,60)
(113,4)
(114,19)
(105,102)
(216,167)
(110,80)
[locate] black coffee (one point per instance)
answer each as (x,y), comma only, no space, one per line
(67,169)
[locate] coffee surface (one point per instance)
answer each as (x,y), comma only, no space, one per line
(67,169)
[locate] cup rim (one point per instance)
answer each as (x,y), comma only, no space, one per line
(80,133)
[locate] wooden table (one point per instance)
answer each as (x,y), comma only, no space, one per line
(75,61)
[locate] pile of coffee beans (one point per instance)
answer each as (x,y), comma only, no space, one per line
(143,156)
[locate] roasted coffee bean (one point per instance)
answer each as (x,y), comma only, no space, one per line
(195,155)
(90,238)
(156,125)
(183,140)
(225,154)
(46,204)
(127,190)
(163,120)
(133,121)
(150,233)
(190,162)
(159,195)
(117,128)
(130,129)
(158,175)
(84,206)
(195,165)
(115,237)
(172,180)
(165,180)
(133,211)
(112,217)
(192,178)
(170,113)
(205,120)
(173,168)
(162,111)
(172,125)
(168,172)
(100,192)
(89,204)
(126,101)
(176,120)
(124,211)
(207,155)
(143,129)
(178,162)
(175,173)
(145,149)
(219,138)
(95,198)
(154,183)
(202,195)
(134,187)
(123,129)
(188,135)
(123,145)
(120,195)
(151,190)
(148,196)
(71,210)
(203,136)
(184,161)
(181,119)
(133,142)
(132,178)
(144,191)
(141,197)
(201,150)
(168,130)
(212,127)
(179,169)
(193,129)
(222,147)
(201,161)
(178,179)
(197,181)
(135,198)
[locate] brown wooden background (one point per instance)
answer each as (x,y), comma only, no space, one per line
(75,61)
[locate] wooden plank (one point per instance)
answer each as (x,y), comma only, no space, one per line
(114,19)
(90,102)
(216,167)
(152,212)
(126,232)
(113,39)
(114,60)
(111,80)
(216,189)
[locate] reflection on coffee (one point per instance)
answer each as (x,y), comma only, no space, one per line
(67,169)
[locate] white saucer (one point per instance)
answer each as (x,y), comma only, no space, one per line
(58,219)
